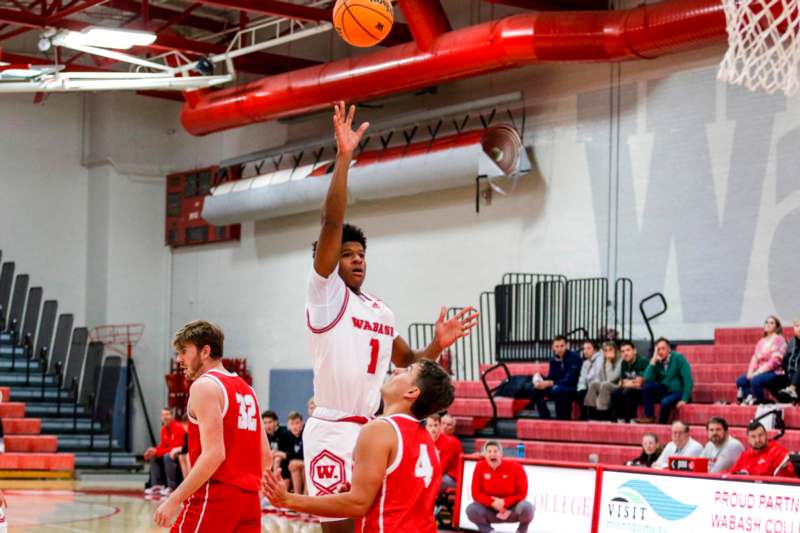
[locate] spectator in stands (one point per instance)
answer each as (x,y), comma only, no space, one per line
(180,454)
(790,381)
(626,399)
(667,380)
(449,425)
(590,368)
(449,448)
(682,445)
(561,382)
(722,450)
(163,469)
(598,398)
(499,489)
(290,453)
(310,406)
(765,457)
(273,428)
(765,365)
(650,451)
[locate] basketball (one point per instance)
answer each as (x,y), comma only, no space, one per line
(363,23)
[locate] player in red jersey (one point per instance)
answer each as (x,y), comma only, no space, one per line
(396,470)
(227,443)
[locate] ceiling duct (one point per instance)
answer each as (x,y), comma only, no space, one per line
(424,167)
(642,32)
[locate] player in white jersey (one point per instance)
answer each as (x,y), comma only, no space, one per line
(352,335)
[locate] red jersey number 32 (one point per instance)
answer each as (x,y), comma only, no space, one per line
(247,412)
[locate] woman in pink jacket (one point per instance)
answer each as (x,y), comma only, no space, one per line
(765,365)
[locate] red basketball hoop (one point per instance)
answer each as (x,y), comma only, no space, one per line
(118,338)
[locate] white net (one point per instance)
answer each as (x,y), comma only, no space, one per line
(763,45)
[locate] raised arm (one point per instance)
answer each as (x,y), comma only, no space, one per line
(446,333)
(329,244)
(206,404)
(375,448)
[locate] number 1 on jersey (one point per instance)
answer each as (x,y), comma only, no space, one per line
(375,346)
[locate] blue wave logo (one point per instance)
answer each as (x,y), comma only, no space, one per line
(638,491)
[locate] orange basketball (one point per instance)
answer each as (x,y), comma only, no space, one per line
(363,23)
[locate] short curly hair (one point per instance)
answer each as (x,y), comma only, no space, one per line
(200,333)
(350,233)
(436,391)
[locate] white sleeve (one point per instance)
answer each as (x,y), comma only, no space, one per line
(325,300)
(663,459)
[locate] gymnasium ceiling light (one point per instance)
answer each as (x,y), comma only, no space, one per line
(119,39)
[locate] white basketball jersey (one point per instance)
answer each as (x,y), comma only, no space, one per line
(350,352)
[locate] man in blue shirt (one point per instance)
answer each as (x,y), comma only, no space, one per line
(561,381)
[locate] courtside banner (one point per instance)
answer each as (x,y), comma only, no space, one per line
(652,503)
(563,498)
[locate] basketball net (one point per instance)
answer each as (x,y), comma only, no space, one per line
(763,45)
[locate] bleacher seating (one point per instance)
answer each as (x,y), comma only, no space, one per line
(714,366)
(48,389)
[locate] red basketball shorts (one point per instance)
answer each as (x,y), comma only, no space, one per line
(219,508)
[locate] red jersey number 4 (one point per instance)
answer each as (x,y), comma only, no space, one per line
(424,469)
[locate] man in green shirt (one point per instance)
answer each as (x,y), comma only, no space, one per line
(626,399)
(667,380)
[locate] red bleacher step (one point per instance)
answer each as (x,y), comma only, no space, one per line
(22,426)
(475,407)
(736,415)
(5,394)
(624,434)
(37,461)
(12,410)
(746,335)
(516,369)
(31,443)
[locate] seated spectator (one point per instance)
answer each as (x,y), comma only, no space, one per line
(290,452)
(722,450)
(667,380)
(598,397)
(765,365)
(626,399)
(449,425)
(180,454)
(561,382)
(650,451)
(790,381)
(682,445)
(764,457)
(274,434)
(592,363)
(163,468)
(499,489)
(449,449)
(310,406)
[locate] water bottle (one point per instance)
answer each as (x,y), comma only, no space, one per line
(521,450)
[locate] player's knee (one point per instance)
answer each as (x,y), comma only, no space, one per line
(525,511)
(475,512)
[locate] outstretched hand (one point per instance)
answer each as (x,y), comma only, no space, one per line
(346,139)
(274,489)
(449,331)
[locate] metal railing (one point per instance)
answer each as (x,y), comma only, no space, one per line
(524,313)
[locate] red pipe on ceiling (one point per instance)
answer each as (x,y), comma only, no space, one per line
(646,32)
(426,20)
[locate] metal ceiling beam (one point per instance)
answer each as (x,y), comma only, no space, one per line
(274,8)
(256,62)
(399,34)
(259,63)
(165,14)
(553,5)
